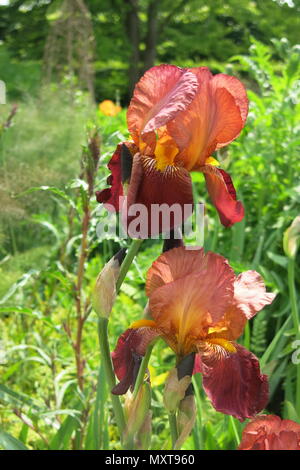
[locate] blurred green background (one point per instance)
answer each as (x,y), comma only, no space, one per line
(59,60)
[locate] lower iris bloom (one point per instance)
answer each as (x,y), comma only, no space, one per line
(271,433)
(198,305)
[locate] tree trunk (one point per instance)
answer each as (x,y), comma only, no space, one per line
(133,32)
(152,35)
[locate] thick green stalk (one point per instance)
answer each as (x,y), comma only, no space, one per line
(235,431)
(295,316)
(173,428)
(109,373)
(247,336)
(133,249)
(104,344)
(197,384)
(142,371)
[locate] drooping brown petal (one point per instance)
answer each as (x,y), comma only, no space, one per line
(215,117)
(158,97)
(111,196)
(269,432)
(222,194)
(233,382)
(163,200)
(126,357)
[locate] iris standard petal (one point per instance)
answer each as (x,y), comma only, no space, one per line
(249,298)
(250,294)
(158,97)
(185,307)
(215,117)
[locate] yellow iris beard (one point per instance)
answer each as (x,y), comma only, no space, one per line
(165,152)
(142,322)
(224,343)
(212,161)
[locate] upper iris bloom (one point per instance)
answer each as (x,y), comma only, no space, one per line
(198,305)
(177,118)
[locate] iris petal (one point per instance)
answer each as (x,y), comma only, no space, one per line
(223,195)
(233,382)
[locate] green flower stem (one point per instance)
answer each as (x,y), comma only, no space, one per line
(109,373)
(104,344)
(295,316)
(134,248)
(197,384)
(173,428)
(247,336)
(129,444)
(142,371)
(291,281)
(235,431)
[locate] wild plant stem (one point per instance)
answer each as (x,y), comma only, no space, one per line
(89,164)
(78,294)
(28,423)
(295,316)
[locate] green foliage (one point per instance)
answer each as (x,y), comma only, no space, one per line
(21,78)
(41,147)
(188,33)
(41,404)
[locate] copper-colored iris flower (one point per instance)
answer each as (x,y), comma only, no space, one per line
(198,305)
(177,118)
(271,433)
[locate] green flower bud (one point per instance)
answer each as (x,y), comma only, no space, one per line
(291,238)
(175,390)
(143,437)
(185,419)
(104,293)
(137,410)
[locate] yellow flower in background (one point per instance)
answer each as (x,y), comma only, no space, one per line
(109,108)
(157,380)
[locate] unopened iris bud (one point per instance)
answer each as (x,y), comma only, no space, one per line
(104,294)
(137,410)
(143,438)
(185,419)
(291,238)
(178,383)
(175,390)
